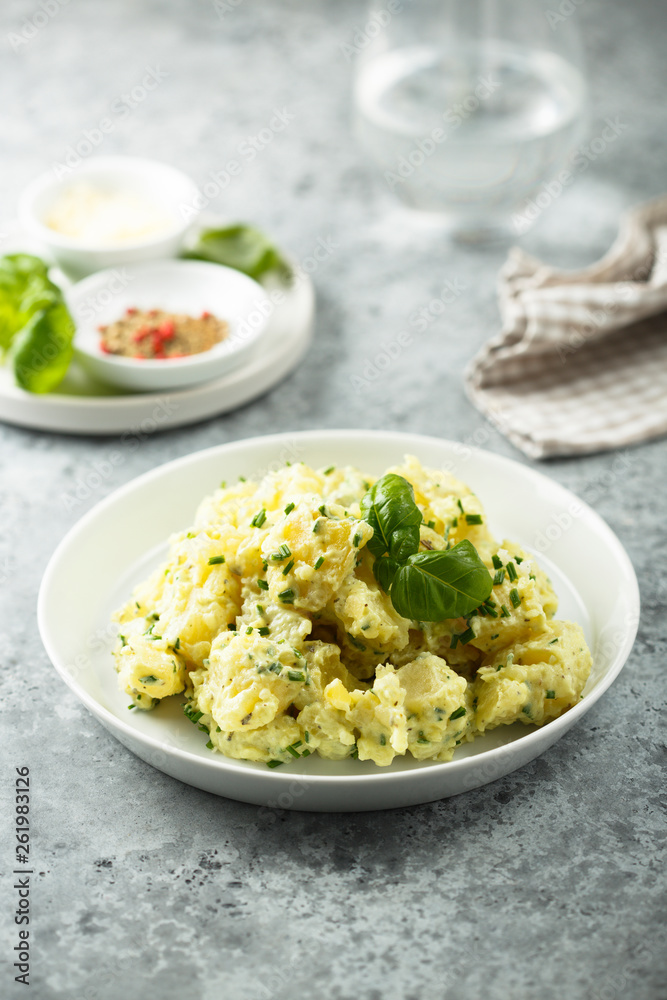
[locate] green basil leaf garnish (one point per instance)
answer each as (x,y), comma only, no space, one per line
(385,569)
(433,586)
(390,509)
(36,329)
(242,247)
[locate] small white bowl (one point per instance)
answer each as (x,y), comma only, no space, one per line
(167,189)
(176,286)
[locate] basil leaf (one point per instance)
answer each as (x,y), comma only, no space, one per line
(390,509)
(35,327)
(42,350)
(242,247)
(21,278)
(434,586)
(385,569)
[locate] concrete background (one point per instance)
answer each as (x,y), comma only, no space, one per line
(548,883)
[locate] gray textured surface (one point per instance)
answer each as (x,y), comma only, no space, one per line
(544,884)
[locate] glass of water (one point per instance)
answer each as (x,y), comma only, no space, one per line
(469,107)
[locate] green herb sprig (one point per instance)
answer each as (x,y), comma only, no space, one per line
(423,586)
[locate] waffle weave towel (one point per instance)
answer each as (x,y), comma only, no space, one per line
(581,363)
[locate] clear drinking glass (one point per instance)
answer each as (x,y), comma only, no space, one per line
(468,107)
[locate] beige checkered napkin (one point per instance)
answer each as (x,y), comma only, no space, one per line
(581,362)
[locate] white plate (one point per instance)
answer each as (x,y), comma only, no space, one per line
(188,287)
(81,405)
(127,531)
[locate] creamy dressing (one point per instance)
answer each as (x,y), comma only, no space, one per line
(105,217)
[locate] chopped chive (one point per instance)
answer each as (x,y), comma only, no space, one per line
(209,745)
(123,640)
(327,472)
(296,675)
(460,506)
(458,713)
(260,609)
(518,559)
(130,707)
(275,668)
(431,525)
(192,713)
(259,519)
(282,553)
(354,752)
(294,752)
(323,510)
(355,642)
(514,597)
(319,562)
(466,636)
(262,584)
(316,527)
(289,508)
(504,613)
(306,736)
(531,576)
(511,571)
(357,538)
(287,568)
(496,635)
(248,631)
(287,596)
(422,738)
(264,630)
(526,710)
(474,519)
(274,763)
(453,641)
(455,522)
(499,577)
(383,740)
(296,652)
(550,694)
(177,644)
(148,679)
(306,753)
(552,641)
(497,562)
(216,560)
(231,626)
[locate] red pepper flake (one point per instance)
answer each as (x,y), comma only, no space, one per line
(104,348)
(131,310)
(101,328)
(163,335)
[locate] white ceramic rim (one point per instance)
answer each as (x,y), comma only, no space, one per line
(124,165)
(217,763)
(226,348)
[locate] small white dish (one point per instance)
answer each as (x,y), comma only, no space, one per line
(591,572)
(175,286)
(172,193)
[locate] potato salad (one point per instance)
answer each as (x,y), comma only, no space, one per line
(326,611)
